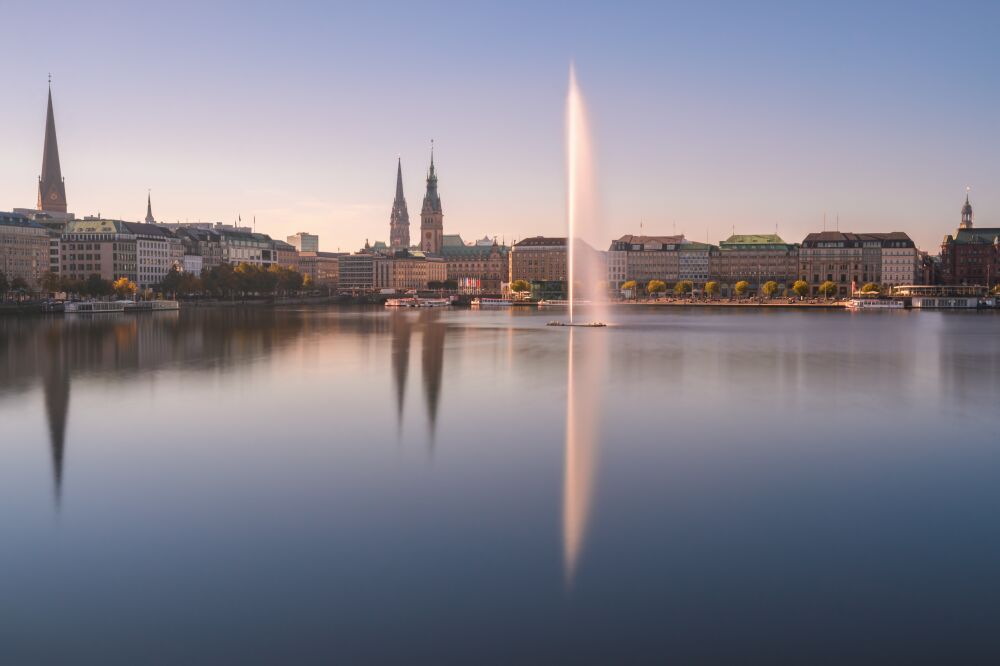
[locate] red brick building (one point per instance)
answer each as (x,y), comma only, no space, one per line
(971,256)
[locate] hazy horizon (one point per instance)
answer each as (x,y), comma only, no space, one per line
(706,119)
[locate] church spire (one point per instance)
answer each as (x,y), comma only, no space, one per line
(149,209)
(51,188)
(399,219)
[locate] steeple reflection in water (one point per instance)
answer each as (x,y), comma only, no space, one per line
(432,335)
(56,389)
(586,359)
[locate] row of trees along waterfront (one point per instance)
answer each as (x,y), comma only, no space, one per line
(712,288)
(224,281)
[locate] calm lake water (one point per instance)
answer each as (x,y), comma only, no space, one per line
(356,486)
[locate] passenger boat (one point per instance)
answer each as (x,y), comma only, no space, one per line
(151,306)
(93,307)
(491,302)
(562,302)
(874,304)
(416,302)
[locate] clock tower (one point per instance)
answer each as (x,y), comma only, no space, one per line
(51,187)
(431,217)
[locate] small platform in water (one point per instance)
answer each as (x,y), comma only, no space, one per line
(589,324)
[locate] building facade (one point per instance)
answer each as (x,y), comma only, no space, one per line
(323,268)
(478,268)
(667,258)
(105,248)
(285,254)
(415,270)
(203,243)
(241,247)
(848,259)
(157,250)
(304,242)
(363,272)
(971,256)
(24,249)
(539,259)
(755,258)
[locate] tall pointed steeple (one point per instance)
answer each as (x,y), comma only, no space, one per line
(149,209)
(51,188)
(431,215)
(399,219)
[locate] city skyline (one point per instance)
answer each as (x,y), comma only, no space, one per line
(777,136)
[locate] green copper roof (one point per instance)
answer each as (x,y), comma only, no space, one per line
(976,235)
(755,242)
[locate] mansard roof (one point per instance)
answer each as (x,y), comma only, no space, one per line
(975,235)
(542,241)
(17,220)
(848,239)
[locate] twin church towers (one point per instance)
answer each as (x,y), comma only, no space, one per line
(431,216)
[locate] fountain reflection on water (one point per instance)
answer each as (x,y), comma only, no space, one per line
(586,360)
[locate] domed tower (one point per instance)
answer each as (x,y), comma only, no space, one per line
(966,213)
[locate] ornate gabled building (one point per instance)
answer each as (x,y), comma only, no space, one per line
(51,187)
(971,256)
(477,268)
(431,215)
(399,219)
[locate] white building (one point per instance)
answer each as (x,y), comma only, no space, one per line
(157,250)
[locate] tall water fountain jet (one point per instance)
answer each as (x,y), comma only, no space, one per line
(587,273)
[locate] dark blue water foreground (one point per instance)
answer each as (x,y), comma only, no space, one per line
(323,486)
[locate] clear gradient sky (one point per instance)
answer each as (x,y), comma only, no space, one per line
(707,115)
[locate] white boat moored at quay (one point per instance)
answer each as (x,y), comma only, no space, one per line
(151,306)
(415,302)
(874,304)
(93,307)
(491,302)
(562,302)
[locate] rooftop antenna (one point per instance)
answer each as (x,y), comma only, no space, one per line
(824,220)
(838,221)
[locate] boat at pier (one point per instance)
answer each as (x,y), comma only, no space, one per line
(491,302)
(416,302)
(874,304)
(151,306)
(93,307)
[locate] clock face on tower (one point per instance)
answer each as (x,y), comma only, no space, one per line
(53,196)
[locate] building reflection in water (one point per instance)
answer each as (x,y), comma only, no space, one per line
(432,358)
(401,327)
(585,374)
(54,351)
(432,336)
